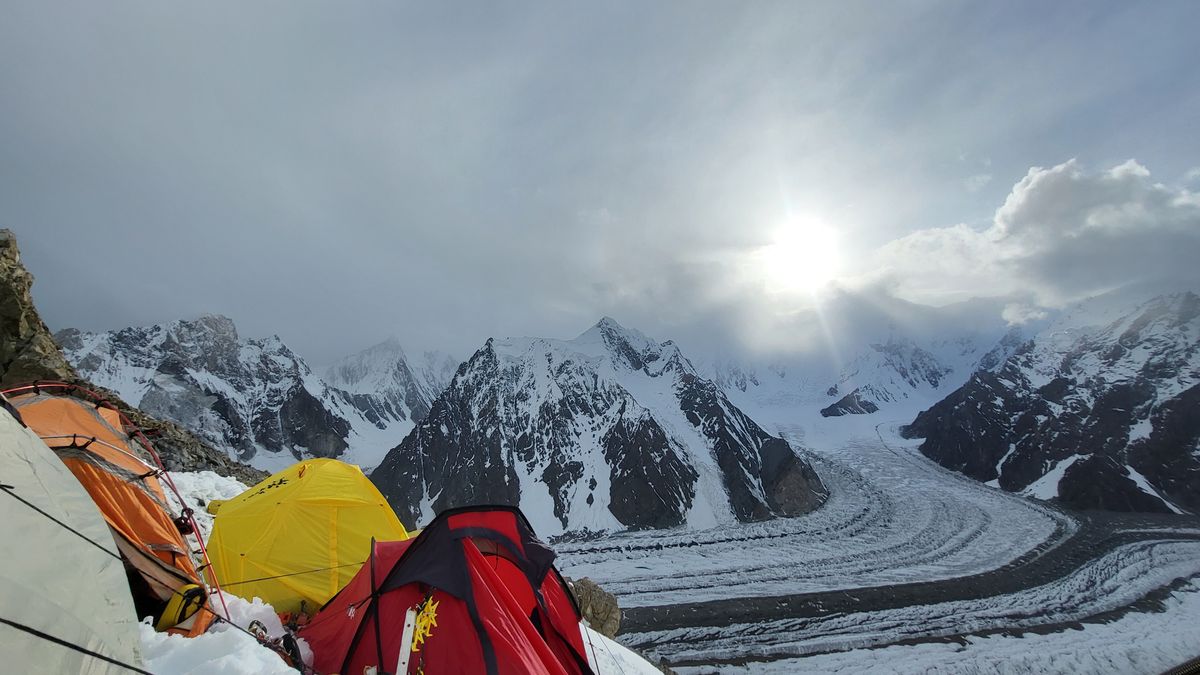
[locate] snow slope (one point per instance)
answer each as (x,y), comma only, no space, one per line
(1139,643)
(892,517)
(879,350)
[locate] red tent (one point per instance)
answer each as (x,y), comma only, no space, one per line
(475,592)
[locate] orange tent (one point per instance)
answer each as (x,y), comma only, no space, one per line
(106,453)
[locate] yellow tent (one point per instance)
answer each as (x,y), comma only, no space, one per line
(301,534)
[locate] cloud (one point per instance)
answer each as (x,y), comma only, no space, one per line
(977,182)
(1062,234)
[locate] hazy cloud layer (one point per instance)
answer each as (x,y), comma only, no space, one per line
(1062,234)
(339,172)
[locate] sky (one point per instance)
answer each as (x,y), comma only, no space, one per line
(336,173)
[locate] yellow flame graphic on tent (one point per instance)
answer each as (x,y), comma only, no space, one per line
(426,622)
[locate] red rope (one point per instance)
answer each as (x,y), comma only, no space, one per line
(97,399)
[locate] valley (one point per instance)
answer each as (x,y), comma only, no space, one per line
(903,552)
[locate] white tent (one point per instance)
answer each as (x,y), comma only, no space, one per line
(53,581)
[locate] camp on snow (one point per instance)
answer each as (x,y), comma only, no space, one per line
(115,464)
(298,536)
(52,518)
(475,592)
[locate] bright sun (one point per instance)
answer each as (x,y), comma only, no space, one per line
(803,257)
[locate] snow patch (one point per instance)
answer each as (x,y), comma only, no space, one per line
(1145,486)
(1046,487)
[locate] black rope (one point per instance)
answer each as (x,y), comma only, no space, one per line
(9,490)
(91,541)
(227,584)
(71,645)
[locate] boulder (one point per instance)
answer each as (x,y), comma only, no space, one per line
(598,606)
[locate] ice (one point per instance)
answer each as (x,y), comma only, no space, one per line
(1136,643)
(893,516)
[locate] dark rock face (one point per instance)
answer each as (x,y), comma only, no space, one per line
(750,459)
(526,416)
(1126,397)
(850,404)
(642,459)
(28,352)
(791,485)
(473,467)
(245,395)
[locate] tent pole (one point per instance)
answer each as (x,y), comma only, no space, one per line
(375,613)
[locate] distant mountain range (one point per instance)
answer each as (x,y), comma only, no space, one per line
(1096,406)
(257,398)
(892,359)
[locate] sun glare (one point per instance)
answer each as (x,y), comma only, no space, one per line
(803,257)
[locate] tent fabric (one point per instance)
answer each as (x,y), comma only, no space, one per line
(52,579)
(300,534)
(119,475)
(500,606)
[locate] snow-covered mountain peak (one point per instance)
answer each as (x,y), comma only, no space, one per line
(367,371)
(605,431)
(607,345)
(1097,410)
(627,347)
(257,398)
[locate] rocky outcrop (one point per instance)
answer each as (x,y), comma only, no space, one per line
(27,350)
(850,404)
(597,606)
(1095,417)
(28,353)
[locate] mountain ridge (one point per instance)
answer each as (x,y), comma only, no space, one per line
(1096,416)
(254,397)
(609,430)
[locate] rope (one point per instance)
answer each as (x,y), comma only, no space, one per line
(99,400)
(71,645)
(77,533)
(291,574)
(608,649)
(595,659)
(217,617)
(614,658)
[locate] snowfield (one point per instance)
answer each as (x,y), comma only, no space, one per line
(1151,642)
(926,556)
(892,517)
(1118,579)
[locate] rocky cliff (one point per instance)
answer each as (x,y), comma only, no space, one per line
(28,352)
